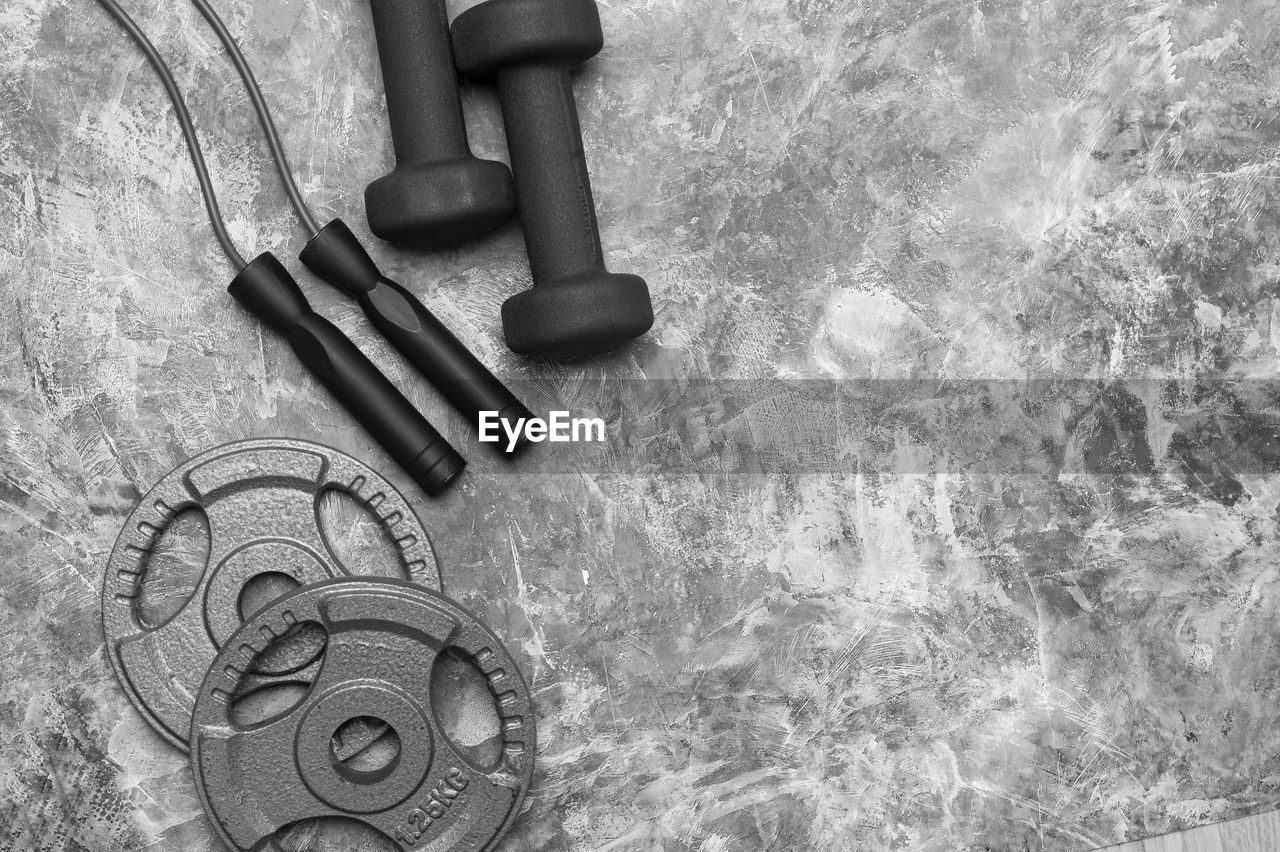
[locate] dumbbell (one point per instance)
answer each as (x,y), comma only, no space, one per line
(576,307)
(439,193)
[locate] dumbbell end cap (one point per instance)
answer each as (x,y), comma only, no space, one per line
(440,204)
(577,317)
(498,34)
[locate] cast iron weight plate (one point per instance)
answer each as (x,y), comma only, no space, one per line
(384,639)
(261,498)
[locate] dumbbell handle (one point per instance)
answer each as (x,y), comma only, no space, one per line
(423,105)
(267,290)
(553,189)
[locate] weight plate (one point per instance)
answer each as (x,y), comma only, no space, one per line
(261,499)
(385,639)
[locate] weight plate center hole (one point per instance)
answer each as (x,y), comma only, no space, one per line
(264,590)
(365,750)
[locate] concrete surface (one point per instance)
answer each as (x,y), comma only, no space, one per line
(1259,833)
(823,589)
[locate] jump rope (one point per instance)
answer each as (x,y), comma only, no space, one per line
(267,290)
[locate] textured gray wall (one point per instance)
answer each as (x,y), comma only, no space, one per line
(863,645)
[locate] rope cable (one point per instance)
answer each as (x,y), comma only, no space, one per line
(264,115)
(188,129)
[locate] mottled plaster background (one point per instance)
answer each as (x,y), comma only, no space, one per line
(877,649)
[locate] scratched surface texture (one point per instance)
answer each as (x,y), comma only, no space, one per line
(896,653)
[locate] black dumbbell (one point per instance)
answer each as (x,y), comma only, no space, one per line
(577,307)
(439,193)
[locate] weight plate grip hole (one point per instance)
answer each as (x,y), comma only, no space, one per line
(172,567)
(356,535)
